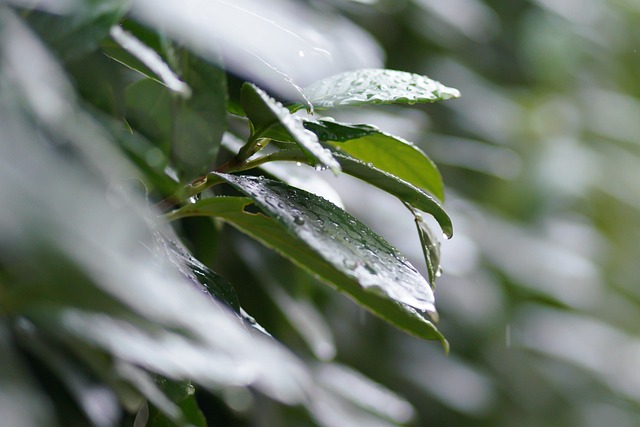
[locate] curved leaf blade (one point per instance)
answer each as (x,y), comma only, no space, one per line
(403,190)
(386,152)
(150,59)
(275,232)
(264,112)
(376,86)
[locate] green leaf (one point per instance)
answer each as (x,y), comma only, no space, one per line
(265,112)
(430,247)
(200,120)
(80,32)
(403,190)
(386,152)
(376,86)
(330,244)
(145,60)
(197,272)
(182,393)
(189,130)
(21,400)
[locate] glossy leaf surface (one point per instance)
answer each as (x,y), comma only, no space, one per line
(265,112)
(376,86)
(386,152)
(328,243)
(401,189)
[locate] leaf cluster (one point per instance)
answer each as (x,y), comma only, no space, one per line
(115,137)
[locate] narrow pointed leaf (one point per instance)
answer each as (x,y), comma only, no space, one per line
(330,244)
(430,247)
(265,112)
(152,64)
(386,152)
(376,86)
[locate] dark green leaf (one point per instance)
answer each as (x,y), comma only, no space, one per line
(81,31)
(21,402)
(183,395)
(330,244)
(190,129)
(376,86)
(265,112)
(200,121)
(197,272)
(148,111)
(386,152)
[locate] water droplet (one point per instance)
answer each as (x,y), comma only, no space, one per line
(439,271)
(190,389)
(298,164)
(298,220)
(370,269)
(350,264)
(301,53)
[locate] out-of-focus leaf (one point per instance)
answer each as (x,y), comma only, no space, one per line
(114,290)
(183,394)
(376,86)
(330,244)
(200,120)
(150,59)
(389,153)
(81,29)
(364,392)
(148,109)
(275,44)
(301,313)
(98,402)
(265,112)
(165,407)
(190,130)
(21,402)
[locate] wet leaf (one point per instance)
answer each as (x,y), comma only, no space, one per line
(386,152)
(196,271)
(430,247)
(403,190)
(399,188)
(376,86)
(265,112)
(299,177)
(330,244)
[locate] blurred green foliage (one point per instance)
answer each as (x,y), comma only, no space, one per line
(539,294)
